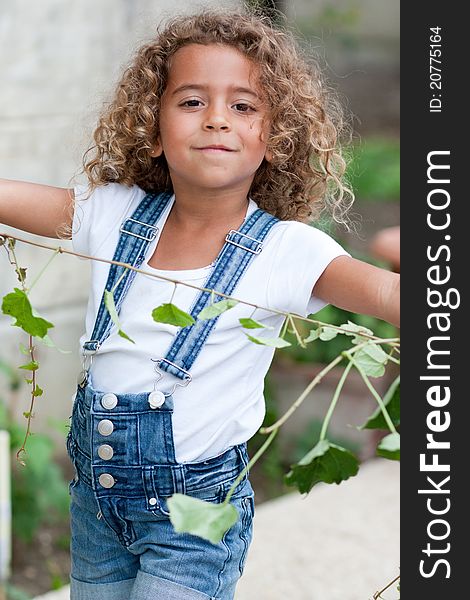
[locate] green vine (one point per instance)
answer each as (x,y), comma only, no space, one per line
(325,462)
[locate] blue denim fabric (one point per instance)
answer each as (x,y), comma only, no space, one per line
(123,544)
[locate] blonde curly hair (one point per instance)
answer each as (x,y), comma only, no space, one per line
(306,173)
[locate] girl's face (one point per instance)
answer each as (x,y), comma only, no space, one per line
(211,120)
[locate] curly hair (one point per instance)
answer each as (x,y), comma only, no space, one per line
(306,173)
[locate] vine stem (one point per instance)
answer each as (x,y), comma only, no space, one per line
(31,406)
(303,395)
(289,316)
(374,392)
(257,455)
(378,594)
(334,400)
(56,252)
(10,248)
(317,380)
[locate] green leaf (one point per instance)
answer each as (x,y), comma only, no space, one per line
(389,446)
(252,324)
(17,305)
(314,334)
(371,358)
(38,391)
(125,336)
(356,331)
(23,349)
(273,342)
(110,305)
(47,341)
(206,520)
(326,462)
(216,309)
(172,315)
(31,366)
(28,380)
(328,333)
(391,401)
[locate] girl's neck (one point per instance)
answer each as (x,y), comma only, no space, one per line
(213,209)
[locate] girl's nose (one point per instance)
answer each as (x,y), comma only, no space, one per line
(216,120)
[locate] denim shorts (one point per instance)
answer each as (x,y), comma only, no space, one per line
(123,545)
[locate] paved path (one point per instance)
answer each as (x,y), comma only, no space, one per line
(337,543)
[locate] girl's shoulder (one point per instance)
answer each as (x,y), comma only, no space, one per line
(99,212)
(300,235)
(115,193)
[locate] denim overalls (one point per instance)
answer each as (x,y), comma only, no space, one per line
(123,545)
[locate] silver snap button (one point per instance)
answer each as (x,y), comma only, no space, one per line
(152,501)
(156,399)
(106,480)
(105,452)
(105,427)
(109,401)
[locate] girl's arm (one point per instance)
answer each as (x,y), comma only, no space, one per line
(39,209)
(362,288)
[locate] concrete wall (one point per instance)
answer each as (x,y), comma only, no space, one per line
(59,60)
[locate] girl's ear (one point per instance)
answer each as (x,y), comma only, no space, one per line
(268,155)
(157,149)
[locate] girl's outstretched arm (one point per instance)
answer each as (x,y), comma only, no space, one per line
(356,286)
(39,209)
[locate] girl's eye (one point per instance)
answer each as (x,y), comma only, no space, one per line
(191,103)
(242,107)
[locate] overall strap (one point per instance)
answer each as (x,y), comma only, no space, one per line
(239,250)
(136,234)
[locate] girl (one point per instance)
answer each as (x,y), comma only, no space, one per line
(219,145)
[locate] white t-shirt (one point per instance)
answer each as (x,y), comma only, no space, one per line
(224,403)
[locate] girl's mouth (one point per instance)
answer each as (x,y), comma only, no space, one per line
(215,148)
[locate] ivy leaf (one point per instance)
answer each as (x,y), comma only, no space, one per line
(328,333)
(47,341)
(172,315)
(28,380)
(391,401)
(204,519)
(109,303)
(389,446)
(326,462)
(125,336)
(38,391)
(252,324)
(354,329)
(313,335)
(216,309)
(17,305)
(31,366)
(372,359)
(273,342)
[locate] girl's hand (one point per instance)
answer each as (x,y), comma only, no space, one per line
(39,209)
(356,286)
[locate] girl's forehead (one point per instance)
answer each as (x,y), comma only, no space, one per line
(212,64)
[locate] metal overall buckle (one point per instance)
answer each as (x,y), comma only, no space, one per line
(187,379)
(87,355)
